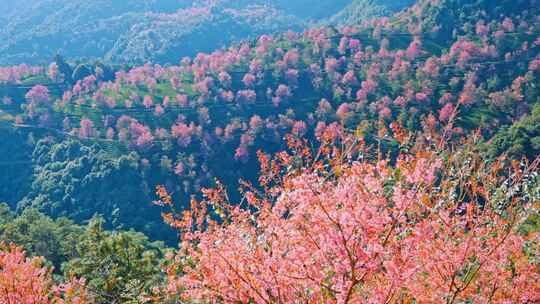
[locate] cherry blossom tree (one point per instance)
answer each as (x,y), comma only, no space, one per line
(283,91)
(299,128)
(14,74)
(183,133)
(54,73)
(350,79)
(141,135)
(225,79)
(182,100)
(147,101)
(445,114)
(26,280)
(242,154)
(22,280)
(38,100)
(86,129)
(246,96)
(158,110)
(255,123)
(39,94)
(414,49)
(431,228)
(343,110)
(249,80)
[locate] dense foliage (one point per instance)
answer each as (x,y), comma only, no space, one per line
(15,165)
(117,267)
(39,235)
(78,181)
(365,9)
(522,138)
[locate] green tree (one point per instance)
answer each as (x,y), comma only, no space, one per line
(39,235)
(64,68)
(120,267)
(15,165)
(6,215)
(520,139)
(77,181)
(81,71)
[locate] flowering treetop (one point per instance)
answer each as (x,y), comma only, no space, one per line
(333,228)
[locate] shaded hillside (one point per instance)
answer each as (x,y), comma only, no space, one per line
(139,31)
(359,10)
(15,165)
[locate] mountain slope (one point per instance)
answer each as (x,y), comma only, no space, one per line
(359,10)
(142,31)
(164,38)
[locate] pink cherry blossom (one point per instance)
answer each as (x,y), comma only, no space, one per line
(86,128)
(158,110)
(349,79)
(255,123)
(183,133)
(182,100)
(354,232)
(39,94)
(299,128)
(414,49)
(249,80)
(446,112)
(283,91)
(343,110)
(242,154)
(147,101)
(246,96)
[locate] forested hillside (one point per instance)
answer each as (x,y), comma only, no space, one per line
(158,31)
(357,10)
(385,160)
